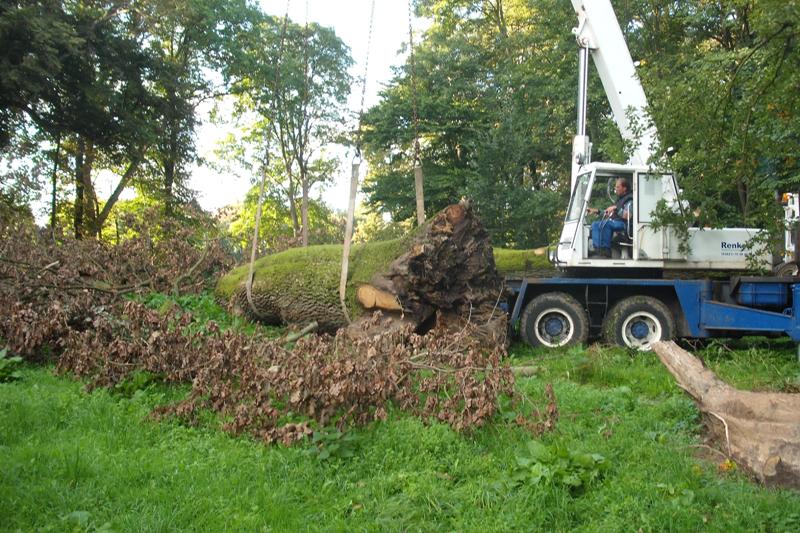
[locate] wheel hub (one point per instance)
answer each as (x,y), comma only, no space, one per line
(640,329)
(553,326)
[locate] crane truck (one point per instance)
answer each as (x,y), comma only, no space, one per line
(655,286)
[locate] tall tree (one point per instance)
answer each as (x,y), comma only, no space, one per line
(189,39)
(84,84)
(495,96)
(296,83)
(117,85)
(733,63)
(497,85)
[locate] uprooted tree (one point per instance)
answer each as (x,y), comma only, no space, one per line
(443,274)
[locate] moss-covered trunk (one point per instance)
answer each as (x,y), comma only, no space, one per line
(445,271)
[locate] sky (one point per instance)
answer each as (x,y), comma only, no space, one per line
(350,21)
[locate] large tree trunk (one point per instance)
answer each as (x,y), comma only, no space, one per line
(304,207)
(54,181)
(444,273)
(169,181)
(292,190)
(77,214)
(758,430)
(90,210)
(171,157)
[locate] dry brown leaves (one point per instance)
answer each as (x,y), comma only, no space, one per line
(48,288)
(65,299)
(262,388)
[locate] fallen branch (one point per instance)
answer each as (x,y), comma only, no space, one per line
(291,337)
(760,430)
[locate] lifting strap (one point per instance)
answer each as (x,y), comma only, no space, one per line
(354,171)
(348,233)
(254,248)
(418,178)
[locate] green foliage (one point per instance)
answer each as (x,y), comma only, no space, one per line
(137,382)
(542,465)
(495,96)
(679,497)
(665,216)
(276,230)
(509,262)
(81,522)
(204,309)
(143,217)
(724,62)
(82,82)
(9,367)
(495,86)
(330,443)
(291,86)
(371,226)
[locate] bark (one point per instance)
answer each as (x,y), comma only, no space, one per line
(90,210)
(123,182)
(758,430)
(293,206)
(304,208)
(54,178)
(419,192)
(169,181)
(172,156)
(77,219)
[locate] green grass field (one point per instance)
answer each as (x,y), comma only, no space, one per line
(77,461)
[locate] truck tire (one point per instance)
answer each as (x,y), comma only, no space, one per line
(637,322)
(554,319)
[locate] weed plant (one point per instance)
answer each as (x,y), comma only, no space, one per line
(205,309)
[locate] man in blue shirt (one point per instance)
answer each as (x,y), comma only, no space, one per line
(615,218)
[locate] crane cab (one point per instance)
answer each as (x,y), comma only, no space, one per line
(644,244)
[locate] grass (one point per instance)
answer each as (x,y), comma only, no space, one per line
(77,461)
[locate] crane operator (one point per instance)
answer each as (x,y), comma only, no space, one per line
(615,218)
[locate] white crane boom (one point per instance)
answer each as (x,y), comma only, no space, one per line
(599,32)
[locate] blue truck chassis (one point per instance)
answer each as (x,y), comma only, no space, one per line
(681,308)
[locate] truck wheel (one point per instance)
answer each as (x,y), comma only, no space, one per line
(554,319)
(637,322)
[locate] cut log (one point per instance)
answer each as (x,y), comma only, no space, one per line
(373,298)
(758,430)
(443,274)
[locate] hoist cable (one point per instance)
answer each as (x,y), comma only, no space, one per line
(355,168)
(254,248)
(418,178)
